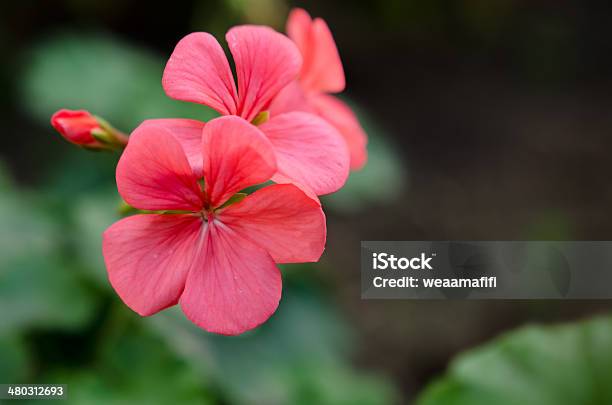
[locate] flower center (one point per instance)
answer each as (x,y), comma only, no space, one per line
(261,118)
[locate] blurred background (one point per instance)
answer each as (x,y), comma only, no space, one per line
(487,121)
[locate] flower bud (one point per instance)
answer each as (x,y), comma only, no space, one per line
(86,130)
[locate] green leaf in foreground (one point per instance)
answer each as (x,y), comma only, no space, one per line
(570,364)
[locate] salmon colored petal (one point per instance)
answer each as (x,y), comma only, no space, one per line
(237,287)
(266,61)
(290,98)
(148,258)
(322,69)
(309,151)
(189,134)
(154,174)
(343,118)
(198,71)
(280,179)
(236,155)
(298,28)
(282,220)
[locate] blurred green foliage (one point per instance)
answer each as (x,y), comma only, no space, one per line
(570,364)
(98,73)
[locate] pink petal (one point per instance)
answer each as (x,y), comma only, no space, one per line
(290,98)
(322,68)
(283,220)
(236,155)
(189,134)
(298,28)
(342,117)
(281,179)
(266,61)
(154,174)
(309,151)
(148,258)
(76,126)
(198,71)
(237,288)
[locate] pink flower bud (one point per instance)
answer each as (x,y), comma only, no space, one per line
(76,126)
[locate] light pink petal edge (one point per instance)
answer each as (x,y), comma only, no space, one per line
(266,61)
(322,69)
(148,258)
(236,287)
(309,151)
(198,71)
(154,173)
(283,220)
(189,134)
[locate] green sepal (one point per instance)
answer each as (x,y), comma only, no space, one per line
(126,209)
(236,198)
(102,136)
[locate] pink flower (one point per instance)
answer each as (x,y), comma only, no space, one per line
(76,127)
(308,150)
(216,260)
(321,73)
(82,128)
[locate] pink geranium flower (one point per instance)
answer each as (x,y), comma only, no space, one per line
(213,257)
(321,74)
(308,150)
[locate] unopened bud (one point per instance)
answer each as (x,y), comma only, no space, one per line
(84,129)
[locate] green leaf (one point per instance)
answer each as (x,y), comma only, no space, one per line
(236,198)
(570,364)
(140,369)
(92,214)
(15,360)
(295,357)
(118,82)
(38,287)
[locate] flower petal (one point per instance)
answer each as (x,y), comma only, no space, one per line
(298,27)
(76,126)
(237,288)
(322,68)
(309,151)
(154,174)
(340,115)
(290,98)
(266,61)
(236,155)
(198,71)
(189,134)
(281,219)
(148,258)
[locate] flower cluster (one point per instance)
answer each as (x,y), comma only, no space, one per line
(199,240)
